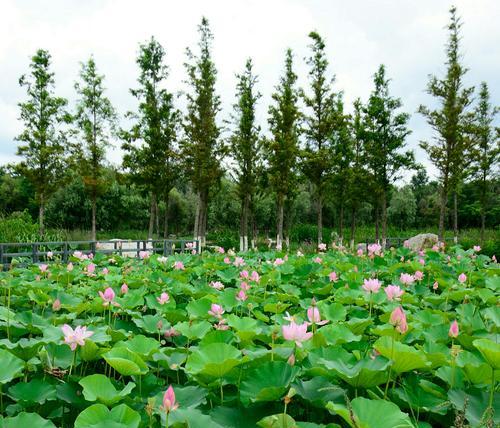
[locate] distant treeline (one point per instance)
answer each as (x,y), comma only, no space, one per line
(314,164)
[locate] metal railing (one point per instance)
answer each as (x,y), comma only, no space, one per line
(36,252)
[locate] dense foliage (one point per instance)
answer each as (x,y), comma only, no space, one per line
(337,339)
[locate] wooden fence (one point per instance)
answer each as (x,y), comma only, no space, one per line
(37,252)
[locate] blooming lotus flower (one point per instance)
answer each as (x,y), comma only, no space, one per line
(171,332)
(108,297)
(494,258)
(318,260)
(314,316)
(124,288)
(217,285)
(244,274)
(296,332)
(245,286)
(435,286)
(168,403)
(278,262)
(220,250)
(407,279)
(239,261)
(371,285)
(453,333)
(360,252)
(374,249)
(105,271)
(227,260)
(221,325)
(144,255)
(162,259)
(418,275)
(255,276)
(75,337)
(398,320)
(421,261)
(164,298)
(50,254)
(178,265)
(190,245)
(216,310)
(476,248)
(421,253)
(333,276)
(90,268)
(393,292)
(56,306)
(406,244)
(321,247)
(241,296)
(462,278)
(231,252)
(43,268)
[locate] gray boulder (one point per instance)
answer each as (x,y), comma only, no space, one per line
(424,240)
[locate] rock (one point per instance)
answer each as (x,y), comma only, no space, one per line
(421,241)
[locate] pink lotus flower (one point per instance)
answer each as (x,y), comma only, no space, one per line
(398,320)
(278,262)
(435,286)
(178,265)
(217,285)
(453,333)
(418,275)
(171,332)
(421,253)
(371,285)
(494,258)
(75,337)
(168,403)
(220,250)
(164,298)
(108,297)
(374,249)
(56,306)
(255,276)
(406,244)
(227,260)
(43,268)
(317,260)
(221,325)
(70,267)
(406,279)
(296,332)
(393,292)
(144,255)
(333,276)
(190,245)
(435,248)
(360,252)
(105,271)
(421,261)
(314,316)
(476,248)
(50,254)
(238,261)
(124,288)
(462,278)
(241,296)
(245,286)
(244,274)
(216,310)
(90,268)
(321,247)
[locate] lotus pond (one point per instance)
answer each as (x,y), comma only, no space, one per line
(333,339)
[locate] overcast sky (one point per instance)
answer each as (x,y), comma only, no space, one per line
(407,36)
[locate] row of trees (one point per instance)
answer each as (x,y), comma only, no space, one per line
(353,157)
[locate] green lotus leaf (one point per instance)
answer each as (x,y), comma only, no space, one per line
(98,416)
(490,351)
(98,387)
(477,405)
(35,391)
(125,362)
(266,382)
(199,308)
(11,366)
(318,391)
(23,420)
(246,328)
(405,358)
(423,395)
(142,345)
(475,368)
(193,330)
(149,323)
(372,414)
(281,420)
(190,417)
(213,360)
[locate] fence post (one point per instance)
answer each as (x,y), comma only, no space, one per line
(182,246)
(93,247)
(65,252)
(164,248)
(34,253)
(138,248)
(1,255)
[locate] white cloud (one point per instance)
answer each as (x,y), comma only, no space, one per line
(408,37)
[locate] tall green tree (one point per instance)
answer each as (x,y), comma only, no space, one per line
(154,164)
(317,156)
(246,147)
(203,149)
(385,131)
(43,141)
(282,149)
(486,150)
(95,120)
(449,121)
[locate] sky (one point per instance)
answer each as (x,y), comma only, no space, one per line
(407,36)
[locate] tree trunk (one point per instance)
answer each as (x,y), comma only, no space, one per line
(341,223)
(455,217)
(353,226)
(41,214)
(151,216)
(320,217)
(202,218)
(245,205)
(253,225)
(281,208)
(94,203)
(196,234)
(165,224)
(157,218)
(377,232)
(442,211)
(384,219)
